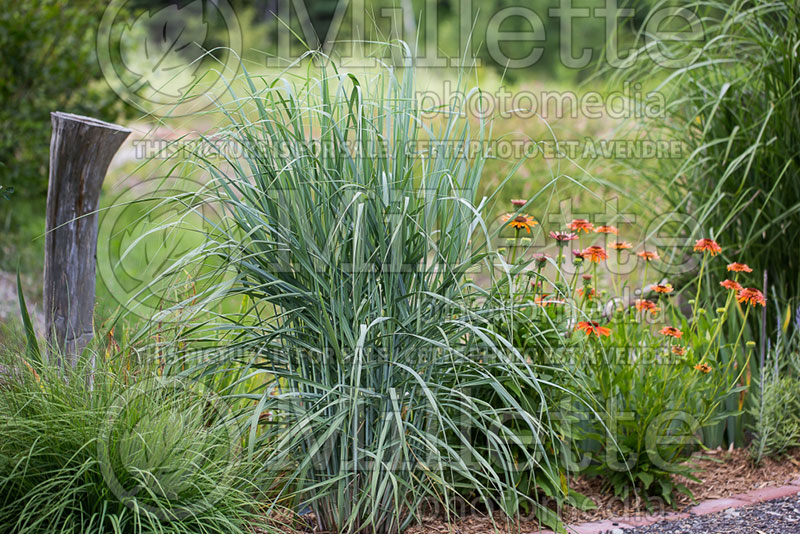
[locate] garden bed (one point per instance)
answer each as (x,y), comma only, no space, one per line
(722,473)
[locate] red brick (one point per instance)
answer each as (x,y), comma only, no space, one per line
(717,505)
(767,494)
(597,527)
(637,520)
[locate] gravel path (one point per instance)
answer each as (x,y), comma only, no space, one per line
(781,516)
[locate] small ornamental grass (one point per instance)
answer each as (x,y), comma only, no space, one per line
(96,451)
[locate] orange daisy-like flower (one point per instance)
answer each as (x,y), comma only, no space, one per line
(580,224)
(595,254)
(646,255)
(671,331)
(703,368)
(730,284)
(620,245)
(543,300)
(590,295)
(751,296)
(591,327)
(678,350)
(662,288)
(707,245)
(646,305)
(519,202)
(563,237)
(520,222)
(739,268)
(607,230)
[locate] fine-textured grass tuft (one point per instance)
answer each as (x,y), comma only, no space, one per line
(121,452)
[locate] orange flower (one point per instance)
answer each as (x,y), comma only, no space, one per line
(678,350)
(543,300)
(607,230)
(661,288)
(620,245)
(646,305)
(671,331)
(595,254)
(703,368)
(562,237)
(591,327)
(580,224)
(707,245)
(590,295)
(739,268)
(751,296)
(647,255)
(520,222)
(730,284)
(519,202)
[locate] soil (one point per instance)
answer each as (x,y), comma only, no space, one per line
(721,473)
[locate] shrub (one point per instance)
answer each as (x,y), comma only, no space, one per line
(123,451)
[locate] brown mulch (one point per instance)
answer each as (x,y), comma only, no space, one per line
(722,473)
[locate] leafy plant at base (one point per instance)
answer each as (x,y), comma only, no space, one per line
(775,408)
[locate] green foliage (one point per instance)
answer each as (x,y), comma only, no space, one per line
(775,408)
(32,344)
(49,64)
(776,426)
(352,249)
(104,451)
(734,105)
(647,379)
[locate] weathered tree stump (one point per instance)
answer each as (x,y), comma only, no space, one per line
(81,149)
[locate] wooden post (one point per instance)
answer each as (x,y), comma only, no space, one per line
(81,149)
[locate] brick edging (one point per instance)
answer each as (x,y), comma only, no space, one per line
(710,506)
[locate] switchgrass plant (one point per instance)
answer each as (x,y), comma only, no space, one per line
(351,227)
(116,448)
(734,106)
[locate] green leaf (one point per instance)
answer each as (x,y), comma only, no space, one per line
(646,478)
(32,348)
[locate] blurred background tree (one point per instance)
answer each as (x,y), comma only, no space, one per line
(48,64)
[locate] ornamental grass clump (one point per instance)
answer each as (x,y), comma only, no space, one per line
(113,447)
(351,227)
